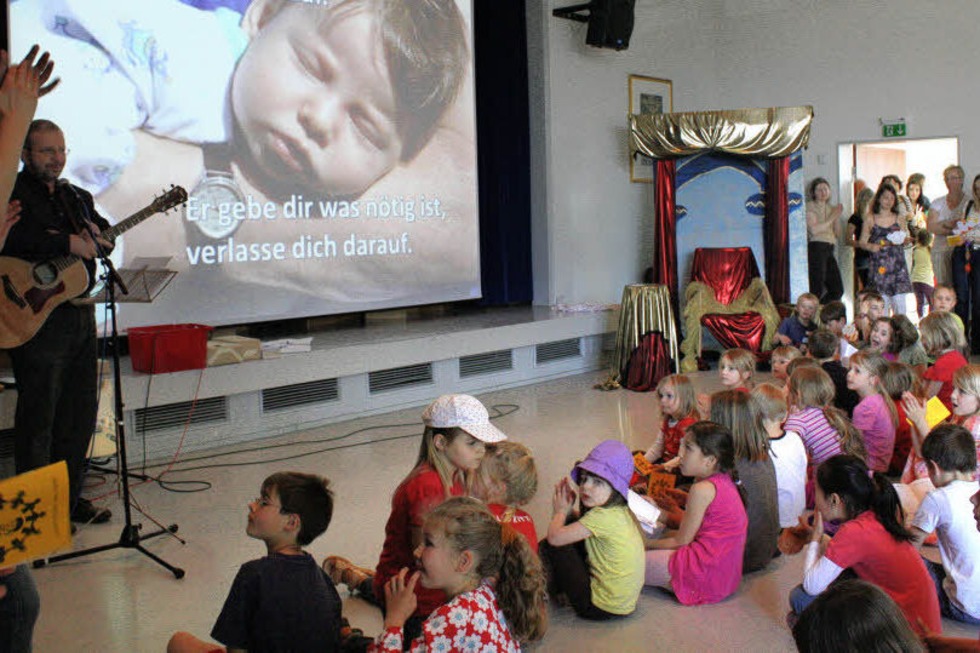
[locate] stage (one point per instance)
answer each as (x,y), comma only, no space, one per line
(396,359)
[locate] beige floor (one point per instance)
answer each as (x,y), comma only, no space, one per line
(122,601)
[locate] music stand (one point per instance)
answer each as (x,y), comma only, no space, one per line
(146,285)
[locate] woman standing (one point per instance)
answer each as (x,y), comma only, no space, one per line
(822,230)
(944,213)
(884,236)
(854,228)
(966,270)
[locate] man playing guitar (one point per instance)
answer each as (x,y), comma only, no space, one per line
(56,374)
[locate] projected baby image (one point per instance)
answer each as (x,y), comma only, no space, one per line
(328,147)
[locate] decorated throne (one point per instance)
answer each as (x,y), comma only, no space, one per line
(727,297)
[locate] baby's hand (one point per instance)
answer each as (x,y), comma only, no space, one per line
(400,601)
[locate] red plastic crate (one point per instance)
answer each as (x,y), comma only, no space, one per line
(169,348)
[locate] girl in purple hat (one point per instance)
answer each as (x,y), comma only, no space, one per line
(596,559)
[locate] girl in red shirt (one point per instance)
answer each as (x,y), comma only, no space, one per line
(943,339)
(457,430)
(508,479)
(679,407)
(872,543)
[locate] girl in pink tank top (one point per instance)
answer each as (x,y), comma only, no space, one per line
(702,562)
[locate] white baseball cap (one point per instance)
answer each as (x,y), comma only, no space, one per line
(463,412)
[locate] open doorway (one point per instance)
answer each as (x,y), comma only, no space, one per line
(865,163)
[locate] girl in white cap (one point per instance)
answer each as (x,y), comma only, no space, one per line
(457,430)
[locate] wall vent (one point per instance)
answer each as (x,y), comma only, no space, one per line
(400,377)
(549,352)
(488,363)
(299,394)
(169,416)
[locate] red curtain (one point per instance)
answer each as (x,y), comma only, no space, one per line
(776,230)
(665,230)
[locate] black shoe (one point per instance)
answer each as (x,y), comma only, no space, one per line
(85,512)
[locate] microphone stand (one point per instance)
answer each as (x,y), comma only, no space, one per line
(130,537)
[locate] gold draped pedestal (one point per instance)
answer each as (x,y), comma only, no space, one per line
(645,308)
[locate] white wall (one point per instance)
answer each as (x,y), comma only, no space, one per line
(590,222)
(854,61)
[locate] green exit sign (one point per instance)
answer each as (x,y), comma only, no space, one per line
(893,130)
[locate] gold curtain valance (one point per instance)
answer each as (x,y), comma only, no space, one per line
(771,133)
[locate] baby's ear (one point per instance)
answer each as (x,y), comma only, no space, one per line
(259,13)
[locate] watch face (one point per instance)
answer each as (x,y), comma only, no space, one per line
(216,196)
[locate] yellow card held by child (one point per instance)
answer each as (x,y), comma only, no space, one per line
(34,514)
(936,412)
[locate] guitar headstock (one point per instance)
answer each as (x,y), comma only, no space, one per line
(169,199)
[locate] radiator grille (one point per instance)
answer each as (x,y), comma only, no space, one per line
(400,377)
(488,363)
(300,394)
(158,418)
(559,350)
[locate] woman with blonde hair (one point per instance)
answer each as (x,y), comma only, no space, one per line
(944,213)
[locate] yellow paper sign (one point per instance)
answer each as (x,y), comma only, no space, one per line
(34,514)
(936,412)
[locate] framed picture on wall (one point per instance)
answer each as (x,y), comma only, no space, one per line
(648,95)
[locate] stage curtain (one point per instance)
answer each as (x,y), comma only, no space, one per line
(776,230)
(665,229)
(727,270)
(745,330)
(770,133)
(504,152)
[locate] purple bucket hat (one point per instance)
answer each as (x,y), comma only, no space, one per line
(612,462)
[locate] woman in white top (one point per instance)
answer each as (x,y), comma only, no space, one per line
(944,213)
(823,230)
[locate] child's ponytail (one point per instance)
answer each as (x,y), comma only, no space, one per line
(861,489)
(502,554)
(521,587)
(851,438)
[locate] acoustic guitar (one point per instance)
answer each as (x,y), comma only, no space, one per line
(30,291)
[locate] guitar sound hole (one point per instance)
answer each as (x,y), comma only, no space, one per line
(45,273)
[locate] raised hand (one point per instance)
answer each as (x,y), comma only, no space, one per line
(400,601)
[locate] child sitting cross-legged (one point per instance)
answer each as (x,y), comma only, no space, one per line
(506,480)
(678,405)
(943,339)
(872,542)
(602,579)
(457,430)
(787,452)
(781,357)
(284,601)
(824,345)
(493,581)
(702,562)
(796,329)
(951,455)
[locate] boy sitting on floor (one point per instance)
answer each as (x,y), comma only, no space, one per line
(951,454)
(795,329)
(284,601)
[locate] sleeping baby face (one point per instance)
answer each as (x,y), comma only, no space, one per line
(313,100)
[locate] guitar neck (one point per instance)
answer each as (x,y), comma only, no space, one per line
(63,262)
